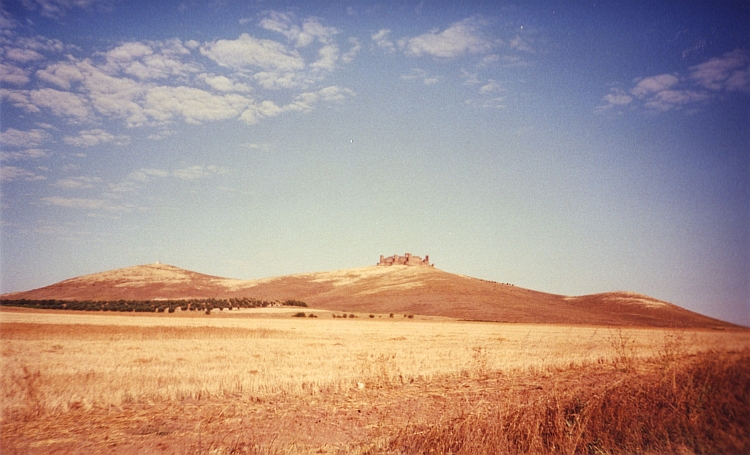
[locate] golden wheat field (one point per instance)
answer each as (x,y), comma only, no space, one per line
(261,381)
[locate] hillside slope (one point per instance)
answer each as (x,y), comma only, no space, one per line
(394,289)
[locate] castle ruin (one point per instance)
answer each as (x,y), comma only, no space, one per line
(408,259)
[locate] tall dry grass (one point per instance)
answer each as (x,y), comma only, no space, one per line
(699,405)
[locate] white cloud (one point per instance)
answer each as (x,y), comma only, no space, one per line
(461,38)
(304,102)
(90,138)
(614,99)
(127,52)
(223,83)
(23,55)
(421,75)
(670,99)
(62,104)
(301,34)
(152,60)
(12,137)
(7,23)
(664,92)
(349,56)
(255,112)
(111,96)
(247,52)
(730,72)
(470,78)
(78,183)
(62,74)
(382,40)
(328,56)
(272,80)
(13,173)
(199,172)
(13,75)
(19,99)
(58,8)
(334,93)
(144,174)
(494,102)
(159,83)
(137,178)
(82,203)
(38,44)
(520,44)
(192,104)
(24,154)
(654,84)
(491,86)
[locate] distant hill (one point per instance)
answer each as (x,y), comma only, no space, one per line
(393,289)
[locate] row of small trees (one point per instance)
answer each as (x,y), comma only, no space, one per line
(149,306)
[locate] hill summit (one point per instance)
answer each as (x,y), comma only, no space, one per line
(395,288)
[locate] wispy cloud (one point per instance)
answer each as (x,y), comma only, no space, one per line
(383,41)
(13,173)
(303,33)
(461,38)
(616,98)
(703,82)
(730,72)
(84,203)
(199,172)
(354,49)
(90,138)
(420,75)
(24,154)
(12,137)
(654,84)
(59,8)
(13,75)
(78,183)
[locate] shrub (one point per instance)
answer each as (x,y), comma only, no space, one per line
(299,315)
(372,316)
(351,316)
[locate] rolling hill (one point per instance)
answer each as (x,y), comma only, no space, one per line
(393,289)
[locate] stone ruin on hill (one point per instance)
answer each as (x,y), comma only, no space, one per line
(408,259)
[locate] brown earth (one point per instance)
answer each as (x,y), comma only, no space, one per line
(395,289)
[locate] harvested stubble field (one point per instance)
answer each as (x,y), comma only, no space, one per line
(254,382)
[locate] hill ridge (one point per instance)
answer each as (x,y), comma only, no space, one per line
(375,289)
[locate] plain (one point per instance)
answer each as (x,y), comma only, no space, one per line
(265,380)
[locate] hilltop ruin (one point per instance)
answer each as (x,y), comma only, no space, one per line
(408,259)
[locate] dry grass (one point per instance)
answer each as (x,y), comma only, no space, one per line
(232,384)
(702,405)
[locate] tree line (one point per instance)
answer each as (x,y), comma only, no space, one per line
(149,306)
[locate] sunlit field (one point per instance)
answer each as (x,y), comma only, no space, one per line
(262,381)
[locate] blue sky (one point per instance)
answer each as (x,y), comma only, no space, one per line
(571,149)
